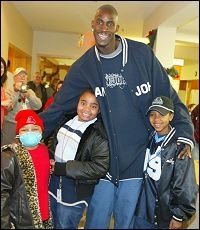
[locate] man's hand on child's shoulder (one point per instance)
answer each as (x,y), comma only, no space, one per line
(185,152)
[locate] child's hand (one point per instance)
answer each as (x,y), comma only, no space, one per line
(52,165)
(174,224)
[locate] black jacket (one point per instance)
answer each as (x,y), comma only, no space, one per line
(19,200)
(176,192)
(91,161)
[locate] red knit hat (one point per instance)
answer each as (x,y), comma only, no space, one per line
(25,117)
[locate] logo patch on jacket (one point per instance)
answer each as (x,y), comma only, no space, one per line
(115,80)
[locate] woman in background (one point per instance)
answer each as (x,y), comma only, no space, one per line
(5,103)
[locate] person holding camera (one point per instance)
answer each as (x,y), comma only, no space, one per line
(22,98)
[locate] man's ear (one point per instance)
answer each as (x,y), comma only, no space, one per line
(92,25)
(117,29)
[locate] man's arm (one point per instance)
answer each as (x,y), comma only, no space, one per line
(182,120)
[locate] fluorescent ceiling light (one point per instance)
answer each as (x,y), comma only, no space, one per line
(179,62)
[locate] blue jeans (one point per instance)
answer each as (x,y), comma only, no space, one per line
(108,199)
(66,217)
(140,223)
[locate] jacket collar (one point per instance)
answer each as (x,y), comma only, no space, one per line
(124,50)
(168,137)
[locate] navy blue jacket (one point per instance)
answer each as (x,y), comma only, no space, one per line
(146,79)
(174,194)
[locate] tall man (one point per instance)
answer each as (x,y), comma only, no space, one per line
(125,76)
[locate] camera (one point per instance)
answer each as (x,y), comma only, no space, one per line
(24,88)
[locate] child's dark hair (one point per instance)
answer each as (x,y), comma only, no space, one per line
(4,76)
(89,90)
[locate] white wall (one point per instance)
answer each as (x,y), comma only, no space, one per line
(62,45)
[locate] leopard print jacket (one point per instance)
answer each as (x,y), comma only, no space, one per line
(28,174)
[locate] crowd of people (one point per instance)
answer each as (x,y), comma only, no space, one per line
(23,94)
(113,147)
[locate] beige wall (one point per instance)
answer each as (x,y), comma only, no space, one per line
(190,53)
(14,30)
(190,70)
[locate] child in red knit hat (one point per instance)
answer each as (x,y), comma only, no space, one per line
(25,171)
